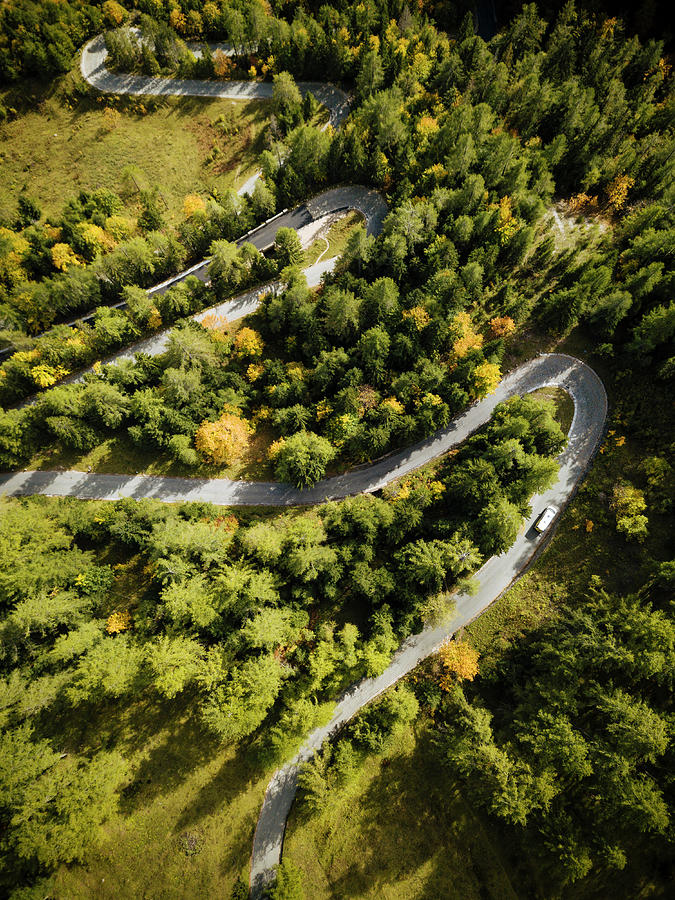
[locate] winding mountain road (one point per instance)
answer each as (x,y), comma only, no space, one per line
(496,575)
(590,410)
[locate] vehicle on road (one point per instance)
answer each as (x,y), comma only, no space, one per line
(545,519)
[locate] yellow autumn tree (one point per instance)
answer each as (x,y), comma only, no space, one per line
(177,21)
(418,316)
(617,191)
(222,65)
(248,343)
(224,441)
(114,13)
(467,339)
(459,661)
(502,326)
(486,377)
(45,376)
(63,257)
(118,621)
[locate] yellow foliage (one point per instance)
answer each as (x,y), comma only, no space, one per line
(254,371)
(275,448)
(64,257)
(45,376)
(468,338)
(154,319)
(460,662)
(617,190)
(583,203)
(427,125)
(252,73)
(213,322)
(418,316)
(113,12)
(502,326)
(222,65)
(296,371)
(192,204)
(10,264)
(589,525)
(224,441)
(248,343)
(486,377)
(394,405)
(118,621)
(429,399)
(51,232)
(436,171)
(96,237)
(323,410)
(177,20)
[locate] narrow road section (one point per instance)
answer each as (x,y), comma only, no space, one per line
(550,369)
(95,72)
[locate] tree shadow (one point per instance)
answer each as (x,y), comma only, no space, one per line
(170,763)
(415,827)
(235,776)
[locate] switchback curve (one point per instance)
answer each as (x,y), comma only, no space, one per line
(494,578)
(566,372)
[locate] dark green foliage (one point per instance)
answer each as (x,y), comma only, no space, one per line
(567,737)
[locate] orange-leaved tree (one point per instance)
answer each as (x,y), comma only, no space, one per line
(460,662)
(502,326)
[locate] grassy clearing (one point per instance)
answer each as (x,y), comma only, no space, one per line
(336,236)
(399,831)
(58,146)
(186,820)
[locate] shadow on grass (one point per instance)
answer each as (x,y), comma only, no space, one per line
(235,776)
(186,747)
(414,836)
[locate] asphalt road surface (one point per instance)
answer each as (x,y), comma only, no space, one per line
(565,371)
(94,71)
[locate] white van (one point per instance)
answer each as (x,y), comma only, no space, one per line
(545,519)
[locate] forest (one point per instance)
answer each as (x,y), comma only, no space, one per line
(530,182)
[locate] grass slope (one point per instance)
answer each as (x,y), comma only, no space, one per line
(398,832)
(57,146)
(186,821)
